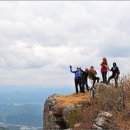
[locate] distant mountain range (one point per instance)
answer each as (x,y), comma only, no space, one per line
(26,114)
(23,107)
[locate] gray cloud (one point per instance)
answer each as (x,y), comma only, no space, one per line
(39,40)
(116,51)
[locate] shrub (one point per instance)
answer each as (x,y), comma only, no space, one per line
(74,117)
(108,98)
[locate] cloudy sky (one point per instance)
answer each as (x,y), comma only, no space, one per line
(39,40)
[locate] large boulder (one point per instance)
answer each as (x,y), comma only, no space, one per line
(103,121)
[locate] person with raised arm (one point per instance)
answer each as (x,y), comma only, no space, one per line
(77,78)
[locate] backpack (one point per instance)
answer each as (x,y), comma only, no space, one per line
(92,74)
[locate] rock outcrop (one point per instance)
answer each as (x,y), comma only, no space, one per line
(55,113)
(49,118)
(60,111)
(103,121)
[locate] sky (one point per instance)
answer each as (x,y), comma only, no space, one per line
(40,39)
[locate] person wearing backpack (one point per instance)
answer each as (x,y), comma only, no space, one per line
(92,76)
(104,69)
(84,79)
(115,74)
(77,79)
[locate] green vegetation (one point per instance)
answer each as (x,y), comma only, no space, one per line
(74,117)
(85,104)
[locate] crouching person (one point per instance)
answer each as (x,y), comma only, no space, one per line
(93,77)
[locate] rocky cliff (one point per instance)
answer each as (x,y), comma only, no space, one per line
(56,109)
(82,111)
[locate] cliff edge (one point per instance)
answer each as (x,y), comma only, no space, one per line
(109,109)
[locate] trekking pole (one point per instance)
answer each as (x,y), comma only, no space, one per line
(92,88)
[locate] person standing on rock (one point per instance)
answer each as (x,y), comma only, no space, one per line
(104,69)
(84,79)
(92,76)
(77,78)
(115,74)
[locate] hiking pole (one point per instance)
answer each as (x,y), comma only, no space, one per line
(92,88)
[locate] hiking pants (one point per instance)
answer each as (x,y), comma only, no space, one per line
(86,84)
(78,83)
(104,77)
(115,78)
(82,86)
(94,80)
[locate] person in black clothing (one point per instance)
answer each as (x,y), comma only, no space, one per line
(115,74)
(92,75)
(84,79)
(77,78)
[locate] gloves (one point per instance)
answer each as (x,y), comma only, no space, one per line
(70,66)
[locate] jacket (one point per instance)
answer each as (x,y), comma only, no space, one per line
(84,75)
(104,67)
(115,70)
(92,73)
(77,74)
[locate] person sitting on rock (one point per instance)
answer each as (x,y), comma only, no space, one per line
(77,78)
(115,74)
(84,79)
(92,75)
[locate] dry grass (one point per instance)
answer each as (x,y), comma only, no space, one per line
(122,119)
(89,115)
(73,99)
(107,98)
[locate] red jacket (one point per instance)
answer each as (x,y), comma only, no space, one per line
(104,67)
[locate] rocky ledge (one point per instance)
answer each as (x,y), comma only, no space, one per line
(107,99)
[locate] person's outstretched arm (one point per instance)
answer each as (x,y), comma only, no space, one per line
(82,70)
(111,69)
(71,69)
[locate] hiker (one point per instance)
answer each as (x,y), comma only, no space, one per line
(115,74)
(92,76)
(84,79)
(104,69)
(77,78)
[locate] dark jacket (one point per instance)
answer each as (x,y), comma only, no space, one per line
(115,70)
(84,75)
